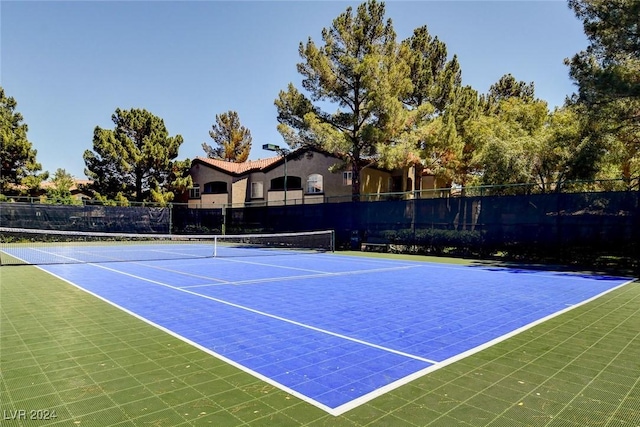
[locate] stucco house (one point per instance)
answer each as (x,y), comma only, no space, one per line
(218,183)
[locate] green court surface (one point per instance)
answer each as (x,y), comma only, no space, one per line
(68,358)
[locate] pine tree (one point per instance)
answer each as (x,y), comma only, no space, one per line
(360,69)
(233,139)
(19,167)
(135,160)
(608,77)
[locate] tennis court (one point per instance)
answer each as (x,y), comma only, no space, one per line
(333,330)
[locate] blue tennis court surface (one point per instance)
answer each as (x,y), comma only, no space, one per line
(334,330)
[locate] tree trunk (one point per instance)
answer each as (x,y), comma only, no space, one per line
(139,197)
(355,178)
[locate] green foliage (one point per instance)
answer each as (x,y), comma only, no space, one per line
(435,79)
(361,70)
(419,134)
(451,152)
(135,160)
(403,104)
(502,142)
(608,69)
(433,241)
(233,139)
(506,88)
(118,200)
(60,193)
(608,76)
(17,156)
(555,153)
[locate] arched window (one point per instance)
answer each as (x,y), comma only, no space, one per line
(314,184)
(293,183)
(215,187)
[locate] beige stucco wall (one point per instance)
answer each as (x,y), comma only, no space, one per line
(374,181)
(202,174)
(304,166)
(430,182)
(239,191)
(209,201)
(294,197)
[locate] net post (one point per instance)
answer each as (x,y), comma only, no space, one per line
(215,246)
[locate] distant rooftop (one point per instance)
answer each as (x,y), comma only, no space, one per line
(239,168)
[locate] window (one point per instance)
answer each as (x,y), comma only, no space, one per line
(293,183)
(314,184)
(215,187)
(346,178)
(194,192)
(256,190)
(396,184)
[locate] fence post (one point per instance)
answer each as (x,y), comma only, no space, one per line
(223,228)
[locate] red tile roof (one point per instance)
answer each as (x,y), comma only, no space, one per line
(239,168)
(45,185)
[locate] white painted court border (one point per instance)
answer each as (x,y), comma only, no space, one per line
(335,411)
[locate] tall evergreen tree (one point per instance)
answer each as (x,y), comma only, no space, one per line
(507,87)
(359,69)
(416,135)
(435,78)
(135,160)
(566,152)
(509,140)
(19,167)
(457,161)
(608,70)
(502,133)
(233,140)
(608,77)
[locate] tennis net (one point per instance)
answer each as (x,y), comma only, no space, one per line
(21,246)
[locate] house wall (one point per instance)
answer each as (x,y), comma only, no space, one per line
(374,181)
(256,177)
(303,166)
(201,174)
(239,191)
(294,197)
(215,199)
(430,182)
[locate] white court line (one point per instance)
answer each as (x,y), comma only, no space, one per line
(360,400)
(222,281)
(438,365)
(318,273)
(272,265)
(522,270)
(219,356)
(306,276)
(262,313)
(182,273)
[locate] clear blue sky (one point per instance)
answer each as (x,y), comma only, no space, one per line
(69,65)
